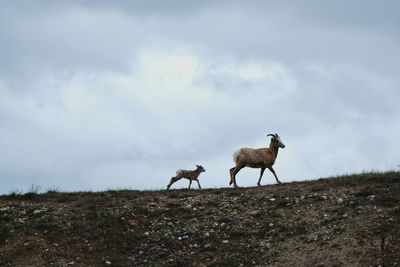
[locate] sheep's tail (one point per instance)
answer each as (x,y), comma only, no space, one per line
(236,155)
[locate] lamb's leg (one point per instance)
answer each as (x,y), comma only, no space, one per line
(273,172)
(261,174)
(190,183)
(235,171)
(198,184)
(173,180)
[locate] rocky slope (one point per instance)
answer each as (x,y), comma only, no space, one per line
(343,221)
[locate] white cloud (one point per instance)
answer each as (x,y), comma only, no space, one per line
(104,96)
(156,115)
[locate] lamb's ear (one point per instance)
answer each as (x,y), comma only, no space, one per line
(197,166)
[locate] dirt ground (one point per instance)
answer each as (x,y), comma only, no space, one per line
(344,221)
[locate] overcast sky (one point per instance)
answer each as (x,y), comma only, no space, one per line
(98,95)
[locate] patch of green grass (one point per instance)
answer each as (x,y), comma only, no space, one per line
(53,190)
(390,176)
(54,193)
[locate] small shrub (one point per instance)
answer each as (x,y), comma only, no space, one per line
(15,193)
(32,192)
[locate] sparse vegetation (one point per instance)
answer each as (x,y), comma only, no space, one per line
(345,220)
(33,191)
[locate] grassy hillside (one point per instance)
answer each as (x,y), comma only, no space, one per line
(342,221)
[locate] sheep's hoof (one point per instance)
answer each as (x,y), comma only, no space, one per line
(258,184)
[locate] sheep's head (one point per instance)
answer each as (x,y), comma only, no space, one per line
(276,140)
(199,167)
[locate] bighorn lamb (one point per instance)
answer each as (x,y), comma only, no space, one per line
(190,175)
(257,158)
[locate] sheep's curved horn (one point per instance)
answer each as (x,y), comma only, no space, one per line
(276,135)
(271,135)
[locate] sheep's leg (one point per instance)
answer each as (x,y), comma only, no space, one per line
(190,183)
(198,183)
(231,173)
(273,172)
(235,171)
(261,174)
(173,180)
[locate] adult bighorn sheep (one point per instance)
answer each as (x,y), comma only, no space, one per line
(190,175)
(257,158)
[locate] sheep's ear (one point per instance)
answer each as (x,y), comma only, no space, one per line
(197,166)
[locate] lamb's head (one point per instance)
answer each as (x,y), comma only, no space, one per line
(276,140)
(200,168)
